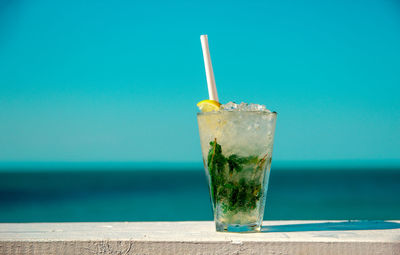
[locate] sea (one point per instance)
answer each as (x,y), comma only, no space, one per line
(158,193)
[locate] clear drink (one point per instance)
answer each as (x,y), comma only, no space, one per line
(237,152)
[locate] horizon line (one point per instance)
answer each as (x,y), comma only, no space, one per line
(185,165)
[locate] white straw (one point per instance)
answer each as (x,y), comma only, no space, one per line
(212,89)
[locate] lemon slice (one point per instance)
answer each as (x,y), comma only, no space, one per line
(208,105)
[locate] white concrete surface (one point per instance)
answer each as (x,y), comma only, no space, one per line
(277,237)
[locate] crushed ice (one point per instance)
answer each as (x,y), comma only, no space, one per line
(231,106)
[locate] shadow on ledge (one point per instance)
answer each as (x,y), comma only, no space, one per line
(332,226)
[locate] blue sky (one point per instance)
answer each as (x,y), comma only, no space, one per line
(119,80)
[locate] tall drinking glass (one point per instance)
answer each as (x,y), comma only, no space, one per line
(237,154)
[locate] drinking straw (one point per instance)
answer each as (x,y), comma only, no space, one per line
(212,89)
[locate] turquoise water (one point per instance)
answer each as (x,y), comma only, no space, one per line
(179,195)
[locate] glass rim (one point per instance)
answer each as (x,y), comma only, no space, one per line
(219,112)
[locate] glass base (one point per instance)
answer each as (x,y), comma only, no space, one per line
(238,228)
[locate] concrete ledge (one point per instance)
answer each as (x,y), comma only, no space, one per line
(277,237)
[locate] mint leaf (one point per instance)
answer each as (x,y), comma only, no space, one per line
(229,188)
(216,163)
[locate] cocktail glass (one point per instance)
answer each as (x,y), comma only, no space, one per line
(237,154)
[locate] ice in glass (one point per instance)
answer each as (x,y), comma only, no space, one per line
(236,143)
